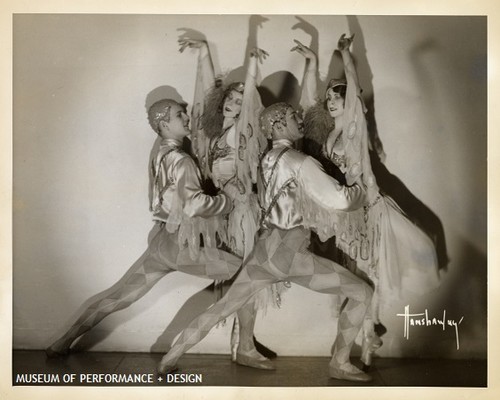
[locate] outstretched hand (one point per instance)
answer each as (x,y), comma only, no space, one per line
(191,43)
(304,50)
(259,54)
(345,42)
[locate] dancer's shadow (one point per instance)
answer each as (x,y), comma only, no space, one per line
(238,74)
(419,213)
(189,33)
(311,30)
(389,184)
(280,86)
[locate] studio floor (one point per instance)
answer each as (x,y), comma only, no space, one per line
(218,370)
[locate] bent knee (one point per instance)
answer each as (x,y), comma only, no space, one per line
(368,292)
(361,292)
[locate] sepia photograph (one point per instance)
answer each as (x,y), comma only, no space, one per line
(249,200)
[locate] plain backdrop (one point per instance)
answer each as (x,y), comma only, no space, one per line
(82,146)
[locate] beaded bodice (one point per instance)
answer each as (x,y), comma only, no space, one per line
(221,159)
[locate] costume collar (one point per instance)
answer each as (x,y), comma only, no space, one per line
(282,142)
(171,143)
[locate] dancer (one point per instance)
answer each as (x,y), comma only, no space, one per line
(388,249)
(327,247)
(182,213)
(228,144)
(309,97)
(227,140)
(290,185)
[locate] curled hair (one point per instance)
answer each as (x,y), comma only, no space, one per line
(318,123)
(160,111)
(338,86)
(340,89)
(213,118)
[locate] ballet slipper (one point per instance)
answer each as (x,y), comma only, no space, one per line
(51,352)
(254,360)
(348,372)
(371,342)
(166,368)
(349,376)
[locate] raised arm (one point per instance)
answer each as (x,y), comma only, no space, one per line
(310,80)
(349,69)
(256,56)
(251,142)
(205,80)
(205,72)
(358,167)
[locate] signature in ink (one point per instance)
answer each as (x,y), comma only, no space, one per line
(423,319)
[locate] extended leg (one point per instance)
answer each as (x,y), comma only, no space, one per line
(162,257)
(251,280)
(325,276)
(138,280)
(218,264)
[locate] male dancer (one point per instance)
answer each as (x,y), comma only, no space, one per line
(182,212)
(291,186)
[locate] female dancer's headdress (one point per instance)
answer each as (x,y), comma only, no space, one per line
(336,82)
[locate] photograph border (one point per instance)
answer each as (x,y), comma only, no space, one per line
(312,7)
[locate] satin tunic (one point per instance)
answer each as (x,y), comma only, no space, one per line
(286,171)
(176,181)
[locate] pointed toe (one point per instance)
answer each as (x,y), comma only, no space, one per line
(360,376)
(259,363)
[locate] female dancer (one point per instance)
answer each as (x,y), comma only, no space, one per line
(389,250)
(228,143)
